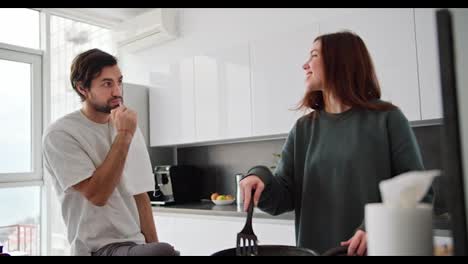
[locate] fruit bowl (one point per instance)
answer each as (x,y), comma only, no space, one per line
(220,199)
(223,202)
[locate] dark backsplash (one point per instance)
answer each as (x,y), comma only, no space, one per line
(429,139)
(220,163)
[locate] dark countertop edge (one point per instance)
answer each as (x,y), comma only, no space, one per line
(427,122)
(442,232)
(206,209)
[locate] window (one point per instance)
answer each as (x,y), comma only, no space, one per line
(15,113)
(25,31)
(19,221)
(20,140)
(21,115)
(20,153)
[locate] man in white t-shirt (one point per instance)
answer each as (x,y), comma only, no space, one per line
(85,153)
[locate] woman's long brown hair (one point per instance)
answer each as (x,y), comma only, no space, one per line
(349,74)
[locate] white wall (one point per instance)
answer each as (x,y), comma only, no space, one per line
(199,34)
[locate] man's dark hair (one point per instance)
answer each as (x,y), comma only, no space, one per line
(87,66)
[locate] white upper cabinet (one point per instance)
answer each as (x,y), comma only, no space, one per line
(251,89)
(222,94)
(172,116)
(428,63)
(390,38)
(136,98)
(186,96)
(278,79)
(207,98)
(162,100)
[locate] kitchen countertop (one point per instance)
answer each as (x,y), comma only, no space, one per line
(206,207)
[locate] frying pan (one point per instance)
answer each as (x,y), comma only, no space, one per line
(278,250)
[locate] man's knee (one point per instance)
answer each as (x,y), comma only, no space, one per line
(165,249)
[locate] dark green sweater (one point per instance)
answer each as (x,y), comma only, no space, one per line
(331,166)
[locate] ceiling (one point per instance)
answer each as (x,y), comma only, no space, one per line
(105,17)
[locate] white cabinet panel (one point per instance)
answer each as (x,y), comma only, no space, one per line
(204,235)
(222,94)
(172,117)
(428,63)
(207,98)
(186,106)
(165,228)
(390,38)
(198,235)
(162,100)
(275,233)
(236,78)
(136,97)
(278,79)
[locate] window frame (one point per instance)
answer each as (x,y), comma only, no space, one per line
(35,59)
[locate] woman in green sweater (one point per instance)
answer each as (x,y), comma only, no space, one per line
(335,156)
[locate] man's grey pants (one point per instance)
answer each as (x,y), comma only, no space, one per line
(133,249)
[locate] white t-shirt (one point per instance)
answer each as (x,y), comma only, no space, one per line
(73,148)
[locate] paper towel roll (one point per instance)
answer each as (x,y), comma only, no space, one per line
(399,231)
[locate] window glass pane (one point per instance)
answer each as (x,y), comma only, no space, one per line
(19,26)
(19,221)
(15,113)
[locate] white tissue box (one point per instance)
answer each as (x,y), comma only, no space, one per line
(399,231)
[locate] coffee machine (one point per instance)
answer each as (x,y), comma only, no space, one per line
(176,184)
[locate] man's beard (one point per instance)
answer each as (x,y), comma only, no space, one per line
(106,108)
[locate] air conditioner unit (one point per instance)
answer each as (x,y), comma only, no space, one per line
(146,30)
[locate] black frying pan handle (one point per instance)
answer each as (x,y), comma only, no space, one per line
(336,251)
(251,208)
